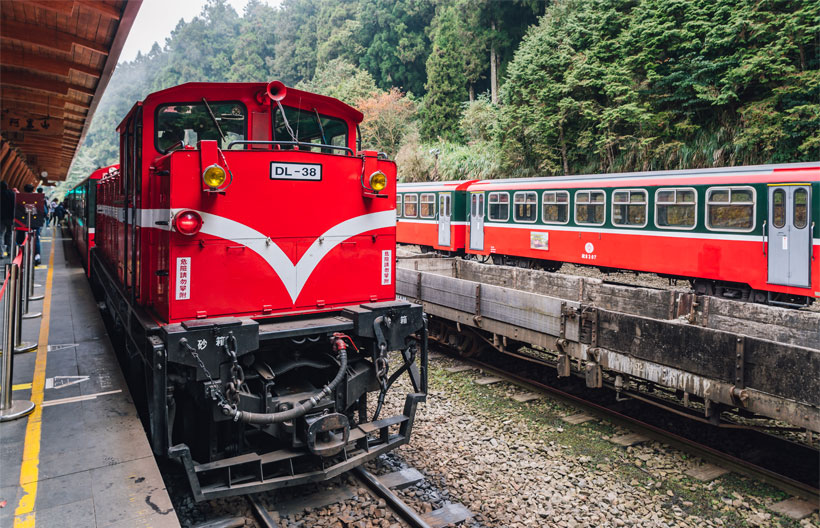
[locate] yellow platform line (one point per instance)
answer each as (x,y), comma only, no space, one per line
(24,515)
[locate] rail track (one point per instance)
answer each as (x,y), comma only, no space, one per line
(706,441)
(392,501)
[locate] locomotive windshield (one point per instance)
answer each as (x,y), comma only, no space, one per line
(191,122)
(309,127)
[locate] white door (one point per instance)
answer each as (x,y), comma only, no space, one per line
(789,234)
(444,215)
(477,221)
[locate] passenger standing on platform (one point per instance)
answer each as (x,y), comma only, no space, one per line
(6,218)
(60,212)
(44,214)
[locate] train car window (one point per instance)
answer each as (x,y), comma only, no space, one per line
(730,208)
(590,207)
(411,205)
(779,208)
(629,207)
(555,207)
(307,130)
(427,207)
(398,205)
(191,122)
(676,208)
(801,208)
(444,204)
(525,207)
(499,206)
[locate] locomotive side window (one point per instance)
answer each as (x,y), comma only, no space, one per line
(555,207)
(629,208)
(590,207)
(428,205)
(779,208)
(309,127)
(398,205)
(525,207)
(676,208)
(499,206)
(801,205)
(191,122)
(411,205)
(730,208)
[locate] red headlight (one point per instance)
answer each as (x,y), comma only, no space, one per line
(187,222)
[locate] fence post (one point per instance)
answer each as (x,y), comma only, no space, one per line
(31,285)
(20,346)
(10,409)
(28,271)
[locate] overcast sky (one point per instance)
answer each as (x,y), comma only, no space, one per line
(157,18)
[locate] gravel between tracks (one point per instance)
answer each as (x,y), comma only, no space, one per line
(517,465)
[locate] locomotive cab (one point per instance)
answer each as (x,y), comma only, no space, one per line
(250,263)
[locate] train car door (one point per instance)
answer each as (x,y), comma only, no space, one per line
(444,215)
(789,234)
(477,221)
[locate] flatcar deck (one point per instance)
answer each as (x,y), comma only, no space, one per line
(82,458)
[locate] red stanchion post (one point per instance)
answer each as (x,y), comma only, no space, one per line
(20,346)
(10,409)
(28,270)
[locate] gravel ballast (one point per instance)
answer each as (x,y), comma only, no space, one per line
(519,464)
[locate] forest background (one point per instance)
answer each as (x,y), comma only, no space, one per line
(457,89)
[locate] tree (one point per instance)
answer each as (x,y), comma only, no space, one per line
(342,80)
(446,79)
(387,119)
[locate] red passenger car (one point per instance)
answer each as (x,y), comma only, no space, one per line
(81,203)
(248,252)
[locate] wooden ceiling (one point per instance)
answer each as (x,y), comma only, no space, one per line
(56,58)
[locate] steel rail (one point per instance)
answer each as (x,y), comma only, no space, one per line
(262,515)
(393,501)
(692,447)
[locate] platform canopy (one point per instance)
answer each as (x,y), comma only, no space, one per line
(56,58)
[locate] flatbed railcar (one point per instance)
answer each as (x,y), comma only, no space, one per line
(751,233)
(246,259)
(81,205)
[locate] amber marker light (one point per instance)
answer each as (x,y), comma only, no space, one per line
(187,222)
(378,181)
(214,176)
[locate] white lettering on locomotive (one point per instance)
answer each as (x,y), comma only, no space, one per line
(387,267)
(183,278)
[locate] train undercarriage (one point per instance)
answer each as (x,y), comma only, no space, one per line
(251,405)
(727,290)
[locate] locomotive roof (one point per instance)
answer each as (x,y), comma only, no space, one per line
(220,91)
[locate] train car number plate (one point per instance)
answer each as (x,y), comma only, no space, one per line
(295,171)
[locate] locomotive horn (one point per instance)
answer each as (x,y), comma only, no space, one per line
(277,90)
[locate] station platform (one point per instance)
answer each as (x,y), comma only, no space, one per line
(82,457)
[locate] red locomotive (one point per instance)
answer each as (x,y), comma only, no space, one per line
(81,204)
(751,233)
(246,252)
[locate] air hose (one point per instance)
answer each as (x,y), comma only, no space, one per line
(300,409)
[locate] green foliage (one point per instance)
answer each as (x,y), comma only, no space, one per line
(446,78)
(479,119)
(616,85)
(342,80)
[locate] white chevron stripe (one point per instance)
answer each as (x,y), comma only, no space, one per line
(293,277)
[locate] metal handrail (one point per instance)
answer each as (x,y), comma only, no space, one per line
(348,150)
